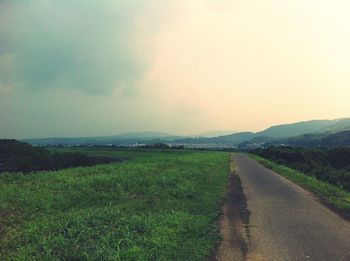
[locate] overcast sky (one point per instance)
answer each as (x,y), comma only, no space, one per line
(91,68)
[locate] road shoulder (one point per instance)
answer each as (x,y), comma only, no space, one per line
(234,222)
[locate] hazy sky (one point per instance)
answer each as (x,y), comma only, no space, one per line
(90,68)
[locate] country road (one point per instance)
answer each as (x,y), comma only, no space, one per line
(287,222)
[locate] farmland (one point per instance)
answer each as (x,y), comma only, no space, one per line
(156,205)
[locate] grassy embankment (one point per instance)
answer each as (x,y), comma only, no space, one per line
(330,193)
(158,205)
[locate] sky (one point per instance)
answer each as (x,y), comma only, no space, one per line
(94,68)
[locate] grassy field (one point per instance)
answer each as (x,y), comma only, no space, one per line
(332,194)
(157,205)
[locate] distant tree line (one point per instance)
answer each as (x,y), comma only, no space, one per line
(21,156)
(330,165)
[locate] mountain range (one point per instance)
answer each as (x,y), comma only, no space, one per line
(120,139)
(324,127)
(308,132)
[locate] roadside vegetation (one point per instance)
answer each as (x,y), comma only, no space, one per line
(328,165)
(332,194)
(157,205)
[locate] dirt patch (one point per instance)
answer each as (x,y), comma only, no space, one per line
(234,222)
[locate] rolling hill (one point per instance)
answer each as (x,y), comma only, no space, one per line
(315,129)
(300,128)
(120,139)
(325,139)
(276,132)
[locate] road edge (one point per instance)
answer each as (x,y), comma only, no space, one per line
(234,221)
(343,214)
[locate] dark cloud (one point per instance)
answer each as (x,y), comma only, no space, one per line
(92,46)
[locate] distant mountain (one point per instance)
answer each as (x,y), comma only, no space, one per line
(337,140)
(325,139)
(304,127)
(120,139)
(338,126)
(142,135)
(275,132)
(262,140)
(215,133)
(228,140)
(233,138)
(313,130)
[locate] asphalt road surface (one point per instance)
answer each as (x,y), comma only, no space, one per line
(287,222)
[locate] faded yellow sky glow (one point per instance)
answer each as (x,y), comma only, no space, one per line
(250,64)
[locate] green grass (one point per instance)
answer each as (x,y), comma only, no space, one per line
(158,205)
(332,194)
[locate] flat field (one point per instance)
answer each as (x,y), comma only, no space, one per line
(157,205)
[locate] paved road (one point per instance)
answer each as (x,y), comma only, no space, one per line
(288,223)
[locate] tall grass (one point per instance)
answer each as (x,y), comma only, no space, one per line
(158,205)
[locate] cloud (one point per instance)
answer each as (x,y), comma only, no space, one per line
(67,66)
(91,46)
